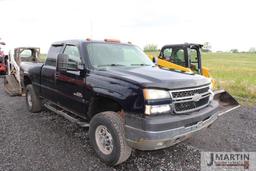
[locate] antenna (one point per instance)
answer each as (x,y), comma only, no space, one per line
(91,26)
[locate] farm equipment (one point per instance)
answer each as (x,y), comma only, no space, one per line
(182,57)
(13,82)
(187,58)
(3,60)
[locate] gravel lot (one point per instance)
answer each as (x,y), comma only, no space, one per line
(46,141)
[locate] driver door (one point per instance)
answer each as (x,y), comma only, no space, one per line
(71,82)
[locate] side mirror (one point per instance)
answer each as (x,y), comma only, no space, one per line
(62,62)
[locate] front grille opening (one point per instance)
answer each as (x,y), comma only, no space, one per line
(186,106)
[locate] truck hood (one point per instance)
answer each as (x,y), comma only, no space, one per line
(154,77)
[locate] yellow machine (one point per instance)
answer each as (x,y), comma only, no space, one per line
(184,58)
(187,58)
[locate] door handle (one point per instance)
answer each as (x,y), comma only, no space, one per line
(57,75)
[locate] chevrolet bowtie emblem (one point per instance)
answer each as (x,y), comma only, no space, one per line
(196,97)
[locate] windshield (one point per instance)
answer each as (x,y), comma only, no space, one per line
(106,54)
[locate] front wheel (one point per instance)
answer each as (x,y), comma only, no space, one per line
(32,99)
(107,138)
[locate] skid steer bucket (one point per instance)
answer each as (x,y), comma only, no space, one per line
(226,101)
(11,85)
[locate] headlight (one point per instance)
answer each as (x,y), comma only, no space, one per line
(157,109)
(152,94)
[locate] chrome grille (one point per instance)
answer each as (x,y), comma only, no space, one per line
(189,92)
(191,105)
(188,100)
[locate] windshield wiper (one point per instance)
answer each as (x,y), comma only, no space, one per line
(110,65)
(141,65)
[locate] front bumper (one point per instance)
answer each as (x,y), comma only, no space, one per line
(158,132)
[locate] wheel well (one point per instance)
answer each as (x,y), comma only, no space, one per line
(102,104)
(26,81)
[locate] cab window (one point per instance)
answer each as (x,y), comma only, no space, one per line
(193,59)
(26,53)
(73,56)
(179,57)
(174,55)
(167,53)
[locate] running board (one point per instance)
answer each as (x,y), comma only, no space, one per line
(66,115)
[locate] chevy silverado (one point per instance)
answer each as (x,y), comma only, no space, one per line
(121,95)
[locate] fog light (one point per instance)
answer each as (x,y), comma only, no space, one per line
(157,109)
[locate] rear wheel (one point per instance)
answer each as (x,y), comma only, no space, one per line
(32,99)
(107,138)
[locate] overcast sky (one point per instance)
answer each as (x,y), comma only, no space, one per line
(225,24)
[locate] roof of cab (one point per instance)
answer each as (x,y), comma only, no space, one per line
(79,41)
(183,45)
(28,47)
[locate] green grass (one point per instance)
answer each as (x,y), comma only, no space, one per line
(234,72)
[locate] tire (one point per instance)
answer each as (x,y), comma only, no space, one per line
(114,129)
(32,99)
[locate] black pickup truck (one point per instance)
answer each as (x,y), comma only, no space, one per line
(125,99)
